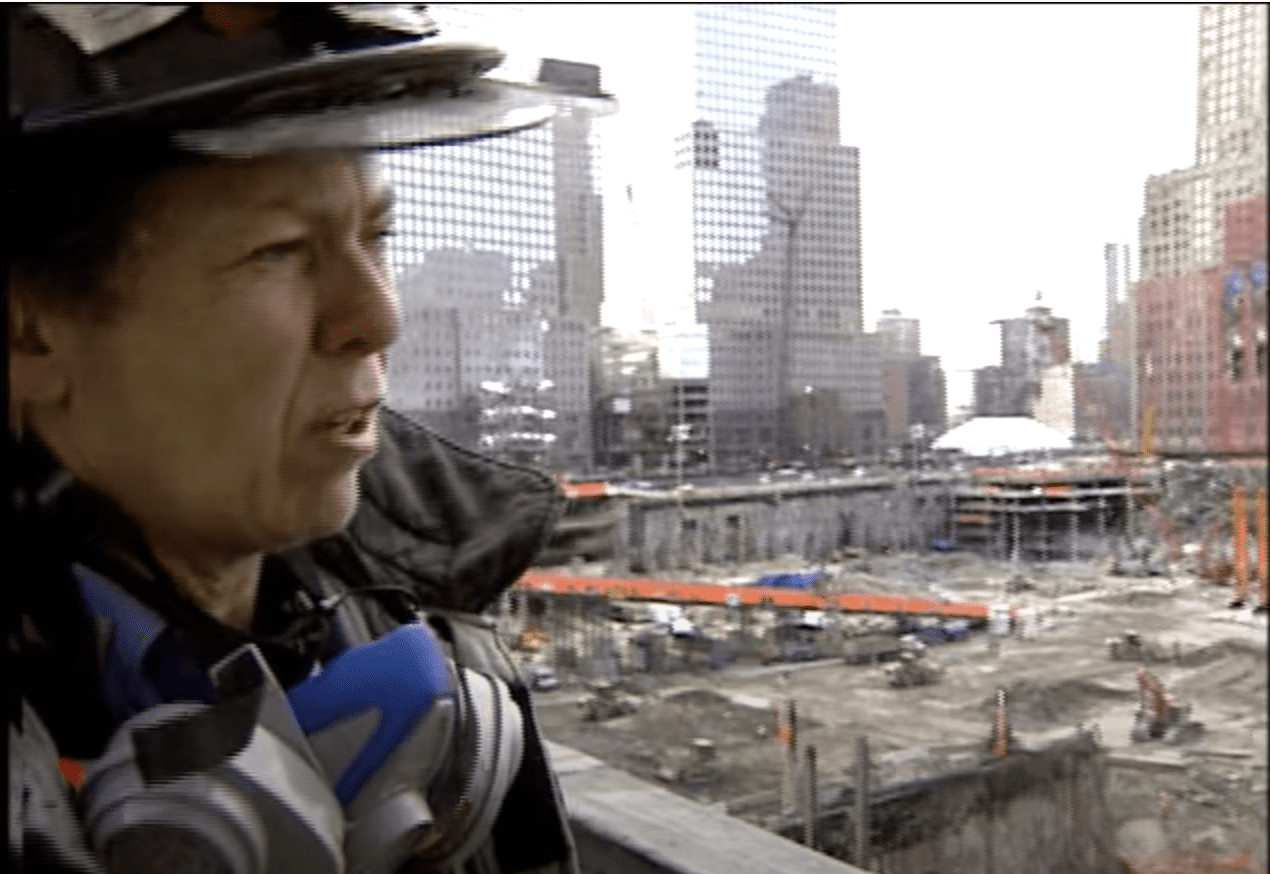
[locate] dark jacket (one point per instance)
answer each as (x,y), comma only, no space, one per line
(454,528)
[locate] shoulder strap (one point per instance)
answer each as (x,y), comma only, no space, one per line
(45,833)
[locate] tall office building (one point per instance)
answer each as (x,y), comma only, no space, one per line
(498,256)
(1102,389)
(901,335)
(1182,226)
(914,390)
(1031,346)
(1200,379)
(776,239)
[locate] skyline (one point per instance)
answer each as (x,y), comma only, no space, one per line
(994,164)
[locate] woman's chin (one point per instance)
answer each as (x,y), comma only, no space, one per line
(325,512)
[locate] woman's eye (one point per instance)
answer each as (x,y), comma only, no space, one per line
(277,252)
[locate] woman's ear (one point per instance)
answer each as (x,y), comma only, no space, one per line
(38,372)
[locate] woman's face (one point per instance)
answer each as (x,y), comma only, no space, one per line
(230,402)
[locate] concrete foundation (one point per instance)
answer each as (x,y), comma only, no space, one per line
(656,536)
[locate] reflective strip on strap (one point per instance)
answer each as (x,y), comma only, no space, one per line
(95,27)
(72,770)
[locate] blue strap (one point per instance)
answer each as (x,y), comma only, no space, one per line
(132,629)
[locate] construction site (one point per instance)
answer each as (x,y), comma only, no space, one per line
(1049,670)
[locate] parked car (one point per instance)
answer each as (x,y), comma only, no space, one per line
(944,632)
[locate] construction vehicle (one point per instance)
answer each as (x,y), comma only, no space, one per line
(913,667)
(870,649)
(540,678)
(531,640)
(607,701)
(1159,715)
(1131,647)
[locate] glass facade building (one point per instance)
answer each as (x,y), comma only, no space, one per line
(776,239)
(1182,226)
(497,253)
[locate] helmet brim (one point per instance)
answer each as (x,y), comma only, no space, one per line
(484,108)
(383,97)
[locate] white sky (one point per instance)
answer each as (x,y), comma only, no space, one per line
(1000,148)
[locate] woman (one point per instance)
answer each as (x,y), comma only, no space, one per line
(199,316)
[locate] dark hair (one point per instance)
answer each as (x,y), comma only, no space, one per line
(71,205)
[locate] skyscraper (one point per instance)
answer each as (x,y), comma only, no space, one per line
(1182,228)
(498,256)
(776,238)
(1030,345)
(473,226)
(1199,307)
(901,335)
(914,390)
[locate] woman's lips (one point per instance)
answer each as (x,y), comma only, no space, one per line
(348,417)
(352,428)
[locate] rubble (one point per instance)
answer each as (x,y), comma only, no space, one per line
(1131,647)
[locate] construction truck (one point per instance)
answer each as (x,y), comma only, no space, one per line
(1159,715)
(866,649)
(1132,647)
(913,667)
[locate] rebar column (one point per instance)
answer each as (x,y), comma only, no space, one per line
(1015,537)
(1075,530)
(1102,519)
(863,828)
(1263,571)
(1045,527)
(1239,530)
(788,784)
(812,809)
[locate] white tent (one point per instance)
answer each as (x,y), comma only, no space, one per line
(1002,435)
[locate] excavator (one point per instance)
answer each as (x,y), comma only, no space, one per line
(913,667)
(1159,715)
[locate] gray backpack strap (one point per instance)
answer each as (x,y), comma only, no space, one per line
(530,837)
(44,829)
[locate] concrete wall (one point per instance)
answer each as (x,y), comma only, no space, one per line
(655,536)
(1039,812)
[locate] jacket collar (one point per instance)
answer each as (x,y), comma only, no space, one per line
(456,527)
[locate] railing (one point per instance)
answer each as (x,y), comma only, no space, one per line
(623,825)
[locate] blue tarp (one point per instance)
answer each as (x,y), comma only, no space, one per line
(790,580)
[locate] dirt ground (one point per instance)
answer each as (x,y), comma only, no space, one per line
(1209,794)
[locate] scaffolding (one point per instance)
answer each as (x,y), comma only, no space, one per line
(1047,514)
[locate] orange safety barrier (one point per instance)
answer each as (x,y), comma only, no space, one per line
(1195,861)
(584,490)
(684,592)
